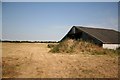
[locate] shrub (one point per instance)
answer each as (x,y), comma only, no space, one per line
(51,45)
(80,46)
(118,48)
(55,49)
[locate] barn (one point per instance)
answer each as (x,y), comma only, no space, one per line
(106,38)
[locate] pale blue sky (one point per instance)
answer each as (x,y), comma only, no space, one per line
(60,0)
(0,20)
(52,20)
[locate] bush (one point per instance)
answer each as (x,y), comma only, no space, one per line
(80,46)
(55,49)
(118,48)
(51,45)
(62,47)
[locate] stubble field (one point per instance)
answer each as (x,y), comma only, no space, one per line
(33,60)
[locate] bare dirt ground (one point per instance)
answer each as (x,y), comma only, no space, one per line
(33,60)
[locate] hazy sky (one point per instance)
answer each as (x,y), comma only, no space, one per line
(60,0)
(52,20)
(0,20)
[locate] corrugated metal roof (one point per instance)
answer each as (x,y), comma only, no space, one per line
(104,35)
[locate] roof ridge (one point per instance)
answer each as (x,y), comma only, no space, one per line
(96,28)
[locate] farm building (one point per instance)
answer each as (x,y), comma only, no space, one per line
(106,38)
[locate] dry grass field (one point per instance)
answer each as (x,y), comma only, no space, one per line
(33,60)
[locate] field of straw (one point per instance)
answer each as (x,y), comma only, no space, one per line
(35,60)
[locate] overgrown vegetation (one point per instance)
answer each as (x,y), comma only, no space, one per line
(51,45)
(80,46)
